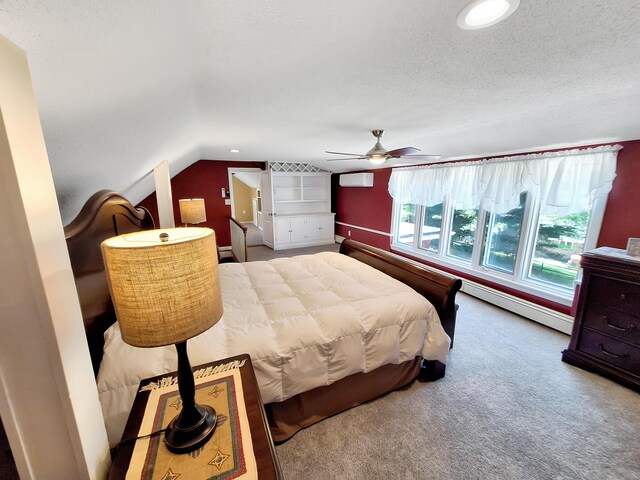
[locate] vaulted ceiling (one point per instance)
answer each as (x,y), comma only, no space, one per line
(123,85)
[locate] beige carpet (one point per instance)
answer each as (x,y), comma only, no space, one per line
(262,252)
(508,408)
(254,235)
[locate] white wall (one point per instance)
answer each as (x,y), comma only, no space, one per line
(48,398)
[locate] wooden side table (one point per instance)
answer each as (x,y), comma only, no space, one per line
(263,448)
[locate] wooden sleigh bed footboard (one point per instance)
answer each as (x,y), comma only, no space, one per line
(107,214)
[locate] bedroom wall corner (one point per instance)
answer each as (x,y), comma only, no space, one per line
(48,397)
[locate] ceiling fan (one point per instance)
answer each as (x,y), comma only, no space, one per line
(378,154)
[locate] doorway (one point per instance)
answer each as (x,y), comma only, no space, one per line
(246,201)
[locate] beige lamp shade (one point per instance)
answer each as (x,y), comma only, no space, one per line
(192,210)
(164,292)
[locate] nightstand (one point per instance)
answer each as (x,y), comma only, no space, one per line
(268,466)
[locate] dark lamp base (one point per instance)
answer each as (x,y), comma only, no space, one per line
(185,439)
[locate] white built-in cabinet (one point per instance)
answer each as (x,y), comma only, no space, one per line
(296,209)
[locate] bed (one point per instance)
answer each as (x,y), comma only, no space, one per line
(336,354)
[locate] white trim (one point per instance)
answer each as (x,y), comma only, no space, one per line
(386,234)
(546,316)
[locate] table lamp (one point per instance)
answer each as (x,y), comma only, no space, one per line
(192,211)
(165,289)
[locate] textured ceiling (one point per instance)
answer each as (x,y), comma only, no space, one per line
(123,85)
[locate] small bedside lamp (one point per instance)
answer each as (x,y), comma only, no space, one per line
(165,290)
(192,211)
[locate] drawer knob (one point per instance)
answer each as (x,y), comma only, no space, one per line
(623,296)
(614,355)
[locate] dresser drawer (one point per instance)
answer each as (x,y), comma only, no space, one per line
(611,322)
(611,351)
(616,294)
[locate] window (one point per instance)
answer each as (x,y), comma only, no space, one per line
(558,244)
(555,242)
(431,226)
(407,225)
(462,234)
(502,238)
(522,222)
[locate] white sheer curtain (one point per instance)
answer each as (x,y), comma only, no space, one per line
(565,182)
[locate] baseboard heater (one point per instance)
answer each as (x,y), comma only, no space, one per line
(546,316)
(525,308)
(356,180)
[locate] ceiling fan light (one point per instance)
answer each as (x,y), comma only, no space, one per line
(484,13)
(377,159)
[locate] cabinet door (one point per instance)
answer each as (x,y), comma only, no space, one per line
(300,229)
(282,230)
(326,227)
(267,209)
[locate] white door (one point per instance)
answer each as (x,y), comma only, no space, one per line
(267,208)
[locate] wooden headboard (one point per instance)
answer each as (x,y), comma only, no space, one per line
(106,214)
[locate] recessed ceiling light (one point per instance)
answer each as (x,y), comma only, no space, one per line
(484,13)
(234,150)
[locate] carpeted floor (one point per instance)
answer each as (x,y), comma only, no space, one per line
(508,408)
(254,235)
(261,252)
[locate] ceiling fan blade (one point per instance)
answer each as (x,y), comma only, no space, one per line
(399,152)
(342,153)
(346,158)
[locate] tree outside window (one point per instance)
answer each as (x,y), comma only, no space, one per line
(502,238)
(462,235)
(559,242)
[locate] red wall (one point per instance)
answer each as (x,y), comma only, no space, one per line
(204,179)
(371,208)
(622,215)
(365,207)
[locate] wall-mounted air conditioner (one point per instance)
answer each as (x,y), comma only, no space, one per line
(356,180)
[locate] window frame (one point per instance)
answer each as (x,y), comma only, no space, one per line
(519,280)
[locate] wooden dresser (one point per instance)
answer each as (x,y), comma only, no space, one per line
(606,331)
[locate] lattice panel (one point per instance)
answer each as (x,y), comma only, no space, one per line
(293,167)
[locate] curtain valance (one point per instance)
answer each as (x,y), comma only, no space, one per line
(564,182)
